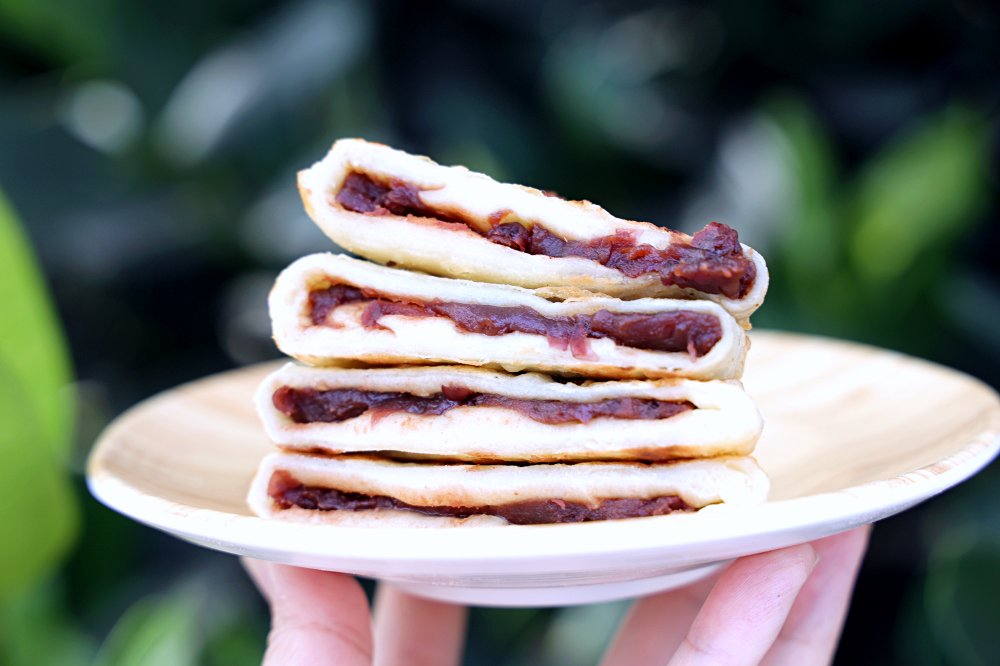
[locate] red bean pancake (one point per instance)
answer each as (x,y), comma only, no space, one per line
(287,492)
(713,262)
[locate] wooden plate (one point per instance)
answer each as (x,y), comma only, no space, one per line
(853,434)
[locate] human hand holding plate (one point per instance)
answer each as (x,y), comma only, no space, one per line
(783,606)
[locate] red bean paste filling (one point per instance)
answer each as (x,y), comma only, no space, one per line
(680,330)
(713,262)
(287,492)
(335,405)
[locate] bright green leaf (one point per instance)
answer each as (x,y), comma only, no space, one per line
(921,191)
(37,507)
(31,343)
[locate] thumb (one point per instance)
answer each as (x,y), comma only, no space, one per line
(317,617)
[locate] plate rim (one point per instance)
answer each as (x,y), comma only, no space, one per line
(840,509)
(908,489)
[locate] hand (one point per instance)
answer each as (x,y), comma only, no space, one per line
(782,607)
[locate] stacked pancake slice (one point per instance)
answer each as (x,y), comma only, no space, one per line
(548,363)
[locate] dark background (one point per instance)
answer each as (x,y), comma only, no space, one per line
(149,150)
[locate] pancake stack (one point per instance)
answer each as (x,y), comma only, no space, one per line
(504,356)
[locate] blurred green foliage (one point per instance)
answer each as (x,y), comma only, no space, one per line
(37,504)
(151,150)
(30,477)
(155,632)
(863,251)
(65,32)
(918,196)
(962,598)
(37,628)
(34,353)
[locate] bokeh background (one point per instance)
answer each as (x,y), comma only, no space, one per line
(147,161)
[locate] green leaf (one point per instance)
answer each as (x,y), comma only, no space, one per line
(37,507)
(31,343)
(38,510)
(156,632)
(920,192)
(812,247)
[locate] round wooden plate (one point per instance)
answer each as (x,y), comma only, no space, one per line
(852,434)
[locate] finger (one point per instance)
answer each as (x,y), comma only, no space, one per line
(317,617)
(656,625)
(260,574)
(415,631)
(814,624)
(747,607)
